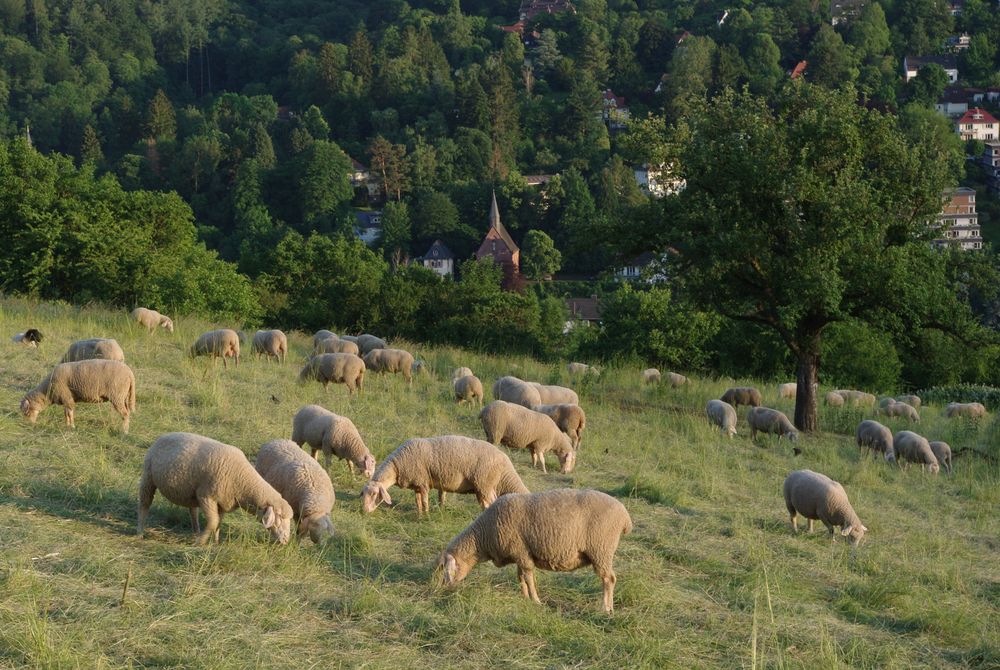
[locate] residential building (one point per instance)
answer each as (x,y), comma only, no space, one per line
(537,179)
(368,227)
(532,8)
(956,43)
(958,223)
(658,181)
(500,246)
(977,124)
(990,161)
(614,111)
(912,65)
(582,312)
(842,11)
(361,177)
(954,102)
(439,259)
(633,268)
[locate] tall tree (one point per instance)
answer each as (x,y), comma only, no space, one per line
(539,256)
(359,56)
(388,166)
(161,121)
(831,62)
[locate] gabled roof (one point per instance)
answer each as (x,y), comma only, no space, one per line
(642,260)
(495,224)
(947,61)
(584,309)
(609,97)
(537,179)
(438,251)
(358,167)
(977,115)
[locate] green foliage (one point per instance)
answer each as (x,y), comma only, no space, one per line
(942,395)
(396,232)
(539,256)
(855,355)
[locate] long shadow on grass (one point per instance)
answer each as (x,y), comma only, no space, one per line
(108,508)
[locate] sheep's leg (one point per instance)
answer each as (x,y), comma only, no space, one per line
(194,520)
(529,577)
(328,456)
(486,499)
(524,582)
(440,497)
(795,521)
(146,492)
(212,520)
(810,525)
(68,412)
(350,465)
(608,579)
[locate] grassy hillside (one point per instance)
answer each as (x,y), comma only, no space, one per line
(711,577)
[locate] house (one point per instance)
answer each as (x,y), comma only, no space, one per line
(955,7)
(990,161)
(799,70)
(516,28)
(368,226)
(912,65)
(500,246)
(956,43)
(439,259)
(954,101)
(633,268)
(582,312)
(614,111)
(361,177)
(537,179)
(658,181)
(842,11)
(977,124)
(958,223)
(532,8)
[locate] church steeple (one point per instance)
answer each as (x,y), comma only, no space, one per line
(494,212)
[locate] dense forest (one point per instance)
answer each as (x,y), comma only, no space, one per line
(197,156)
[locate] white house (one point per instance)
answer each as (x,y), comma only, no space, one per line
(439,259)
(658,181)
(958,222)
(977,124)
(368,226)
(912,65)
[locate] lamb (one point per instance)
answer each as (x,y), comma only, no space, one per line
(570,419)
(95,348)
(198,472)
(582,370)
(224,343)
(512,389)
(551,394)
(833,399)
(816,496)
(302,483)
(723,415)
(345,369)
(559,529)
(29,338)
(787,390)
(742,395)
(912,400)
(900,408)
(768,420)
(367,343)
(876,437)
(518,427)
(150,318)
(458,373)
(676,380)
(468,388)
(270,343)
(942,452)
(335,345)
(915,449)
(94,380)
(448,463)
(390,360)
(335,435)
(651,376)
(970,410)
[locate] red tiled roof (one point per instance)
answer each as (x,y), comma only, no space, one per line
(799,69)
(977,115)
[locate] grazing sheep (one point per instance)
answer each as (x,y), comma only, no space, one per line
(742,395)
(942,452)
(323,335)
(390,360)
(512,389)
(970,410)
(150,318)
(816,496)
(876,437)
(29,338)
(458,373)
(900,408)
(468,388)
(335,345)
(582,370)
(94,380)
(419,367)
(96,348)
(448,463)
(224,343)
(651,376)
(857,398)
(676,380)
(768,420)
(560,530)
(270,343)
(349,338)
(787,390)
(518,427)
(553,395)
(570,418)
(198,472)
(345,369)
(722,415)
(367,343)
(302,482)
(883,404)
(915,449)
(335,435)
(911,400)
(833,399)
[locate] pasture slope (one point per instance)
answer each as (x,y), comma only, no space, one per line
(711,577)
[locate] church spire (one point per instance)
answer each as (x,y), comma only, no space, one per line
(494,212)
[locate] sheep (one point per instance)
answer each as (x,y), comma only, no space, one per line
(833,399)
(570,418)
(518,427)
(559,529)
(198,472)
(458,373)
(32,337)
(448,463)
(419,367)
(915,449)
(787,390)
(94,380)
(676,380)
(876,437)
(512,389)
(768,420)
(816,496)
(971,410)
(651,376)
(367,343)
(942,452)
(742,395)
(335,435)
(302,482)
(723,415)
(552,395)
(390,360)
(323,335)
(857,398)
(582,370)
(224,343)
(150,318)
(468,388)
(900,408)
(912,400)
(270,343)
(335,345)
(349,338)
(345,369)
(883,404)
(95,348)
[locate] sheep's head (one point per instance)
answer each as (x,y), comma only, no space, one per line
(890,455)
(934,468)
(793,436)
(32,404)
(372,495)
(855,534)
(165,322)
(368,467)
(454,570)
(306,373)
(319,528)
(278,520)
(567,456)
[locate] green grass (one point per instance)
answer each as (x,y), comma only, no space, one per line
(711,577)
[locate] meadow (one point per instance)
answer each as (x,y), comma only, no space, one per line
(711,576)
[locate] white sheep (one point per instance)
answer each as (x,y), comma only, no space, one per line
(970,410)
(95,348)
(742,395)
(335,345)
(270,343)
(570,418)
(198,472)
(323,335)
(335,435)
(833,399)
(468,388)
(675,379)
(883,404)
(912,400)
(787,390)
(816,496)
(448,463)
(915,449)
(302,482)
(32,337)
(651,376)
(518,427)
(345,369)
(768,420)
(902,409)
(942,452)
(555,395)
(560,530)
(224,343)
(94,380)
(390,360)
(857,398)
(150,318)
(876,437)
(512,389)
(722,415)
(582,370)
(458,373)
(367,343)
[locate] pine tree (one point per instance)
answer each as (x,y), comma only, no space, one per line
(90,146)
(359,56)
(161,122)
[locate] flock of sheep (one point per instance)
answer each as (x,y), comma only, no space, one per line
(559,529)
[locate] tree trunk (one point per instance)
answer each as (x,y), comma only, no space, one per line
(805,391)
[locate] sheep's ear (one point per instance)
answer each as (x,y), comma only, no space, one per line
(270,518)
(384,495)
(846,531)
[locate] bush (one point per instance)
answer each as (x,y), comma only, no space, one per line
(854,355)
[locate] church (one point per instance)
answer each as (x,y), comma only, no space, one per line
(500,246)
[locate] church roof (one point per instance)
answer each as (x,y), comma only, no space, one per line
(501,230)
